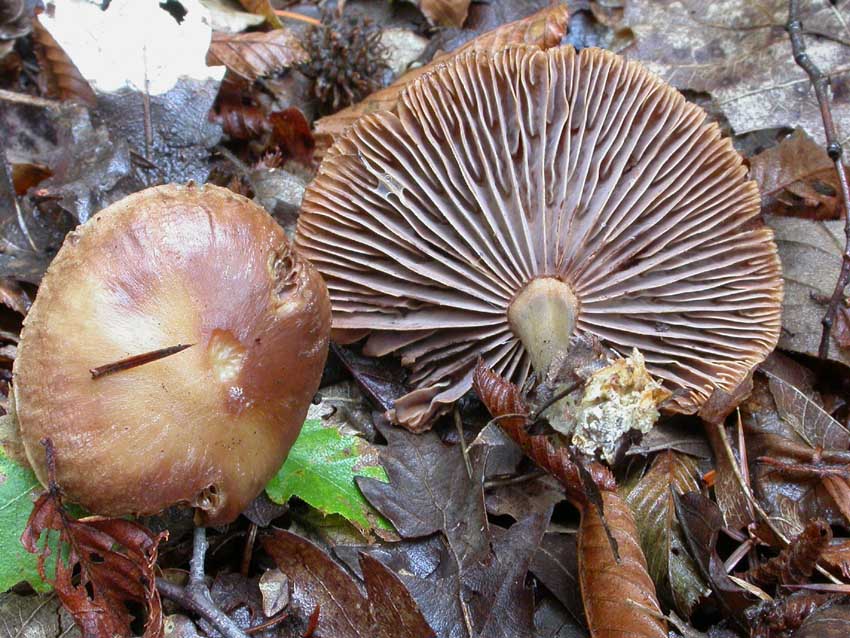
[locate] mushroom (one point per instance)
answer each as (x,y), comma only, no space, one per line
(515,198)
(210,424)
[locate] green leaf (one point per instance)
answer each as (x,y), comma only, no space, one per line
(320,470)
(17,483)
(651,500)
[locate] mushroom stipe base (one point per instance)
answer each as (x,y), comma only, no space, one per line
(543,316)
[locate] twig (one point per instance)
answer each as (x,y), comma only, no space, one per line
(292,15)
(195,596)
(820,83)
(201,605)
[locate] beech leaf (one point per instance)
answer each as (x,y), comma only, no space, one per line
(256,54)
(321,470)
(651,500)
(444,13)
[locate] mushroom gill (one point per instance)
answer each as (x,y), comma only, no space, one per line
(513,198)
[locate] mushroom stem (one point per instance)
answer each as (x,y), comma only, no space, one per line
(543,316)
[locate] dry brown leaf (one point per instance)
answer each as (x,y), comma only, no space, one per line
(544,28)
(619,597)
(256,54)
(798,179)
(445,13)
(319,583)
(263,8)
(114,560)
(739,53)
(63,78)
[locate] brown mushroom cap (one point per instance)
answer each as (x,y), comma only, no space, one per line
(513,198)
(208,426)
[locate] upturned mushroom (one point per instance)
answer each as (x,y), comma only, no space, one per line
(210,424)
(515,198)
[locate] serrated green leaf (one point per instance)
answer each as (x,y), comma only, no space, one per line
(17,483)
(651,501)
(320,470)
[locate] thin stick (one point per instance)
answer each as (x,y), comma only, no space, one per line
(820,83)
(292,15)
(29,100)
(201,605)
(137,360)
(271,622)
(464,450)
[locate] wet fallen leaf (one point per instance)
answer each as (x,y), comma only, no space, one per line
(430,491)
(555,564)
(830,622)
(651,500)
(256,54)
(811,259)
(551,620)
(797,178)
(739,54)
(500,603)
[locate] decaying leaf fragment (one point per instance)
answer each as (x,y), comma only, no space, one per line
(651,500)
(115,559)
(619,398)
